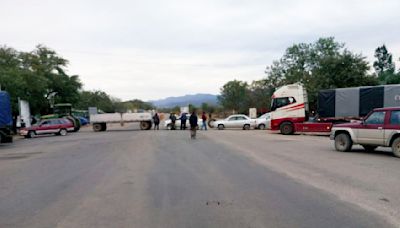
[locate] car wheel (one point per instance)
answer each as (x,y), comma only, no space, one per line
(343,142)
(63,132)
(261,126)
(396,147)
(246,127)
(169,126)
(287,128)
(369,148)
(31,134)
(221,127)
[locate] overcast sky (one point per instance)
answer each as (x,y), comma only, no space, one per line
(154,49)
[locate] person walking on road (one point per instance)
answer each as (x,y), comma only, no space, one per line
(204,123)
(156,120)
(183,121)
(193,125)
(172,117)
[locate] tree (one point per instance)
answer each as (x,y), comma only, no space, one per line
(234,96)
(98,99)
(385,67)
(32,76)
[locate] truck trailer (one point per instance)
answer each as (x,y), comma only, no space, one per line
(100,121)
(6,121)
(290,110)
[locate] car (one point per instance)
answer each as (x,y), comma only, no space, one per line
(168,124)
(59,126)
(381,127)
(84,121)
(235,121)
(263,122)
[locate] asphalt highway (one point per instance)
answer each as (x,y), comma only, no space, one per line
(132,178)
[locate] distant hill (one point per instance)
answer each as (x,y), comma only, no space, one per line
(196,100)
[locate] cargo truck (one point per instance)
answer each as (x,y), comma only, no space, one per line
(290,110)
(6,121)
(100,121)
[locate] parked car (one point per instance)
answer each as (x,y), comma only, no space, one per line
(381,127)
(58,126)
(236,121)
(83,120)
(168,124)
(264,121)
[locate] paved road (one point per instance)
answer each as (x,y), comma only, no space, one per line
(164,179)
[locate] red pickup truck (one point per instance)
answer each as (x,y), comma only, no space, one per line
(381,127)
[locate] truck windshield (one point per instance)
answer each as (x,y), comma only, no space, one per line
(281,102)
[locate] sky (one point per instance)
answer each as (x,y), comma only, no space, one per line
(155,49)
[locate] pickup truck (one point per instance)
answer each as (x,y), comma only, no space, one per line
(381,127)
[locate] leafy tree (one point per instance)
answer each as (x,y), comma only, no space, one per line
(385,67)
(234,96)
(98,99)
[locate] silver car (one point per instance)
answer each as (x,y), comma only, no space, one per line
(263,122)
(235,121)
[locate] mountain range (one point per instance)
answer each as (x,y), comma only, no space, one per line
(194,99)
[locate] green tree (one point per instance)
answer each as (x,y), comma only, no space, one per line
(98,99)
(385,67)
(234,96)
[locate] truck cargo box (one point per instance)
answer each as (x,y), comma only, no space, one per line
(356,101)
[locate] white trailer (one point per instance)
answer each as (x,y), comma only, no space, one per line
(100,121)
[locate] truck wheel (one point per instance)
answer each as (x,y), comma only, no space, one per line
(343,142)
(369,148)
(287,128)
(97,127)
(261,127)
(145,125)
(103,127)
(396,147)
(246,127)
(221,127)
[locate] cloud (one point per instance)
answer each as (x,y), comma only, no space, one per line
(154,49)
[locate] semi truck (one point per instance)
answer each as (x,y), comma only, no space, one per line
(290,109)
(6,121)
(100,121)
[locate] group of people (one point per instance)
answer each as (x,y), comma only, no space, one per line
(193,119)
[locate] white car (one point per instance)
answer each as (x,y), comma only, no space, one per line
(168,124)
(236,121)
(264,121)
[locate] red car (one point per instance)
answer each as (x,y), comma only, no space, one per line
(59,126)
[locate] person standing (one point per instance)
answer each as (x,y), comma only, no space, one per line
(172,117)
(156,120)
(193,125)
(183,121)
(204,123)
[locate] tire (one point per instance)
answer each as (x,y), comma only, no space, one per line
(103,127)
(221,127)
(286,128)
(145,125)
(343,142)
(169,126)
(63,132)
(31,134)
(396,147)
(369,148)
(246,127)
(97,127)
(261,127)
